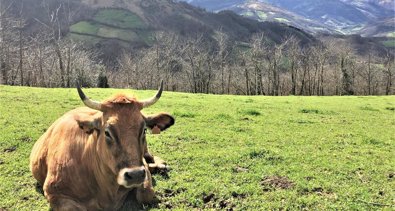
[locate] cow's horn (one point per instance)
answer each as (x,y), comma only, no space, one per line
(88,102)
(154,99)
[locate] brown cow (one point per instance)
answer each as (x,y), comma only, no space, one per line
(93,158)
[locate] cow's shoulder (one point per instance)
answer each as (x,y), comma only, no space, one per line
(67,137)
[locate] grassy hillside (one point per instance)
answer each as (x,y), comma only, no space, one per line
(389,43)
(240,152)
(135,22)
(118,24)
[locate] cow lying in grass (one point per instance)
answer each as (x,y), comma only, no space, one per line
(94,158)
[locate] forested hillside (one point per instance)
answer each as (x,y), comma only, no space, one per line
(119,43)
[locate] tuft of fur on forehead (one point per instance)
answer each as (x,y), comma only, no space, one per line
(121,98)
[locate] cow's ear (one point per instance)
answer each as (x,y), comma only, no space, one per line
(88,124)
(159,122)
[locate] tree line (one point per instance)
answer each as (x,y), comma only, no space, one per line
(258,67)
(196,64)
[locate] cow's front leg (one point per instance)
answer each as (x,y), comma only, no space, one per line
(155,164)
(159,165)
(64,204)
(146,194)
(148,157)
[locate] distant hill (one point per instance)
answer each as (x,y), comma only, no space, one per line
(381,28)
(111,25)
(369,5)
(334,16)
(267,12)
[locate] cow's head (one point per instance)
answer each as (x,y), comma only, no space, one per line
(121,134)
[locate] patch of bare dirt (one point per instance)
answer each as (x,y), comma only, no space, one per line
(26,139)
(276,182)
(213,202)
(391,175)
(238,195)
(208,197)
(171,193)
(320,192)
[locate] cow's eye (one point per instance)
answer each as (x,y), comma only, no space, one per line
(145,131)
(108,136)
(107,133)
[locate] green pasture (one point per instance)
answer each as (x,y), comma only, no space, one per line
(262,15)
(389,43)
(119,18)
(248,14)
(230,152)
(85,27)
(112,23)
(282,20)
(391,34)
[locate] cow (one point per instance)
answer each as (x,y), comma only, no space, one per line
(94,157)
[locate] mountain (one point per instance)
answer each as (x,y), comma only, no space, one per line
(147,17)
(335,16)
(372,4)
(113,25)
(267,12)
(381,28)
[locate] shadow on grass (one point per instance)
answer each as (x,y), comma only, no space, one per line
(39,188)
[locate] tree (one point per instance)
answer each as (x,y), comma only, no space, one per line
(293,54)
(199,66)
(342,54)
(389,72)
(258,53)
(223,52)
(102,81)
(8,43)
(320,57)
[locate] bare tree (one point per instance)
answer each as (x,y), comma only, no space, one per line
(199,67)
(258,52)
(389,72)
(321,55)
(223,52)
(305,65)
(293,54)
(8,33)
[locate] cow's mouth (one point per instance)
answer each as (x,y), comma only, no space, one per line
(132,177)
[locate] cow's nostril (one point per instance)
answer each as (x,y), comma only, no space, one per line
(128,176)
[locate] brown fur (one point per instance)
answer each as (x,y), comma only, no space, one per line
(78,169)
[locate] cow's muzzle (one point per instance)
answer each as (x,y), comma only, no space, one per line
(132,177)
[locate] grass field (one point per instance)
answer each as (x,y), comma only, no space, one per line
(283,20)
(112,23)
(85,27)
(262,15)
(389,43)
(119,18)
(239,152)
(391,34)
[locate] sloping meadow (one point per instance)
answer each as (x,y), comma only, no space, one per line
(230,152)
